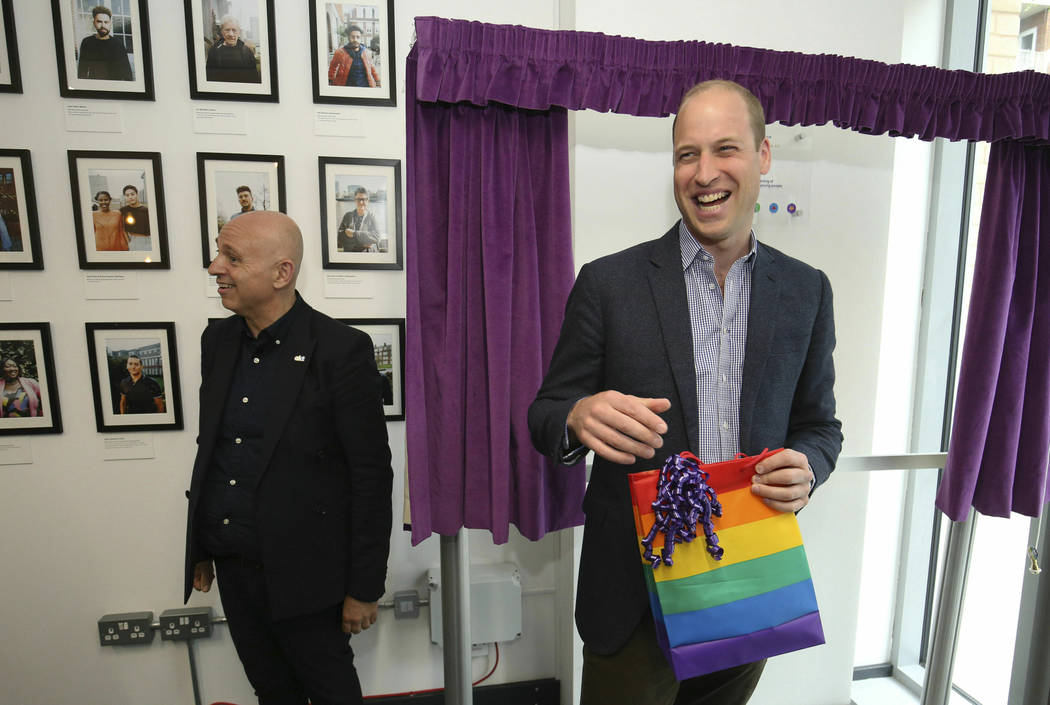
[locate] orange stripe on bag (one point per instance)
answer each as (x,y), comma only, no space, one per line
(738,507)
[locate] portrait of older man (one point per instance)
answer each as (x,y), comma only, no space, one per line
(231,60)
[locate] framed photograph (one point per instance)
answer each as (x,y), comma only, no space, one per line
(118,210)
(103,49)
(388,341)
(10,73)
(134,376)
(29,398)
(232,49)
(231,184)
(360,213)
(352,49)
(19,228)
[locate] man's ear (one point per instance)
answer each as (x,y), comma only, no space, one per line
(284,274)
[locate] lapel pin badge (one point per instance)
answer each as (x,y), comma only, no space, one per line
(300,358)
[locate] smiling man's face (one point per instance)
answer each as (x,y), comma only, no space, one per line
(717,167)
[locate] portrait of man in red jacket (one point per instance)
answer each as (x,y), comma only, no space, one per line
(352,64)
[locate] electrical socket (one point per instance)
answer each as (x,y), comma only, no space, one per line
(184,623)
(125,628)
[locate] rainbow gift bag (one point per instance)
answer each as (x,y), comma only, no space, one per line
(753,602)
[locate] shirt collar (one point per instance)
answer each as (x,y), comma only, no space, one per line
(279,328)
(691,247)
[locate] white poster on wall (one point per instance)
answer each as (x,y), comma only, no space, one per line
(784,195)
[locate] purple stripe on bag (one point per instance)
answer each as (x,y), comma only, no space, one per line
(697,659)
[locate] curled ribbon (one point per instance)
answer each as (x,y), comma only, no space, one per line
(683,500)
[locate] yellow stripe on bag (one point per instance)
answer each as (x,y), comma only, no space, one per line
(741,543)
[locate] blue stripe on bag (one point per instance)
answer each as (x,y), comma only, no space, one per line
(744,616)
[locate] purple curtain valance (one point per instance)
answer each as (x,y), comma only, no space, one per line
(462,61)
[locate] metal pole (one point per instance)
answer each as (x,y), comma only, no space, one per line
(455,618)
(937,685)
(193,672)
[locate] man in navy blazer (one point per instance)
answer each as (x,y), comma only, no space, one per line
(290,499)
(702,340)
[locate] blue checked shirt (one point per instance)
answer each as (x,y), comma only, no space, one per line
(719,323)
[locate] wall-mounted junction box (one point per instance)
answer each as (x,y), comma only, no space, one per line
(495,603)
(125,628)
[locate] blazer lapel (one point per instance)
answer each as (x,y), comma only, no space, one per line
(217,384)
(667,283)
(294,357)
(761,326)
(214,388)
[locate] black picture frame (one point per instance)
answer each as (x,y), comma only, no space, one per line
(10,69)
(210,81)
(19,226)
(339,178)
(29,346)
(118,171)
(388,342)
(329,27)
(221,175)
(73,26)
(110,345)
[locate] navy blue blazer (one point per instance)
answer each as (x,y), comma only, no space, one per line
(627,328)
(323,506)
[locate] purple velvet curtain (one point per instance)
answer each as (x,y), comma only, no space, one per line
(1000,441)
(489,246)
(489,268)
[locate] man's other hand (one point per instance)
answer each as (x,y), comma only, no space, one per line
(619,427)
(783,481)
(203,574)
(358,616)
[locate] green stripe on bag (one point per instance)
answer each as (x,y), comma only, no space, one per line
(734,582)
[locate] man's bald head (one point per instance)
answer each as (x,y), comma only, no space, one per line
(276,235)
(258,260)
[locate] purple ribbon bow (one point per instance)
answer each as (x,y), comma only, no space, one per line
(683,499)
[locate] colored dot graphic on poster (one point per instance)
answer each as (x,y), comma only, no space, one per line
(792,208)
(758,207)
(773,207)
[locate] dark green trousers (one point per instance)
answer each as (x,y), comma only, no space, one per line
(638,674)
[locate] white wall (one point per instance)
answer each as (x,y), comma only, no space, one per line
(83,536)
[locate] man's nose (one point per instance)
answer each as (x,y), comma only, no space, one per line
(706,171)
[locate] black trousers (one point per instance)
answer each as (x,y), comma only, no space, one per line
(290,660)
(639,674)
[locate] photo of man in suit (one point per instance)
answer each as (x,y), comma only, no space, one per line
(290,498)
(703,340)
